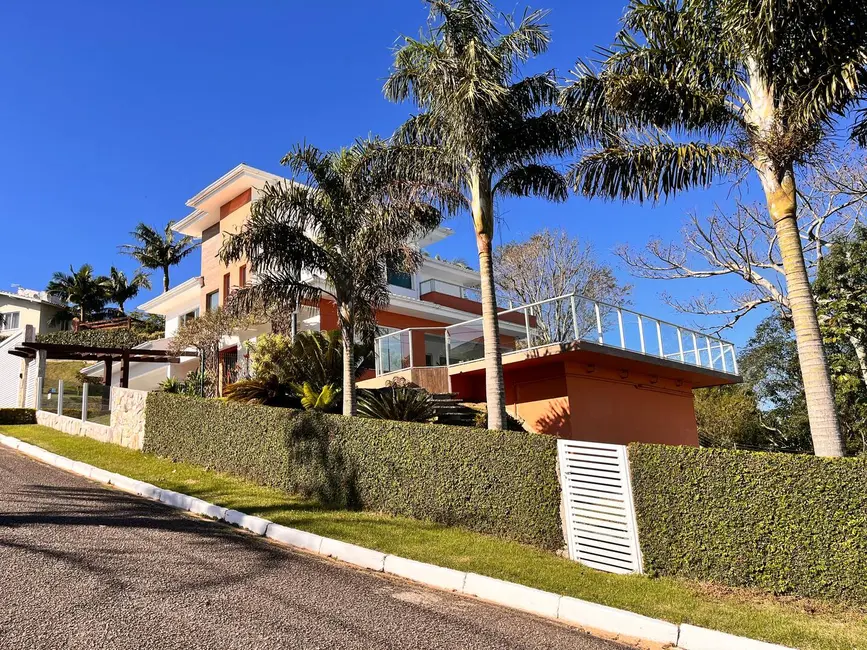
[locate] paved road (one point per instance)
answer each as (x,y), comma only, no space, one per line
(82,566)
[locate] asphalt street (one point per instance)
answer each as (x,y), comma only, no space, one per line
(84,566)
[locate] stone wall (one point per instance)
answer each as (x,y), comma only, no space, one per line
(127,420)
(128,416)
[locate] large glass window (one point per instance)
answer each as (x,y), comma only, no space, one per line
(399,278)
(212,301)
(10,320)
(190,315)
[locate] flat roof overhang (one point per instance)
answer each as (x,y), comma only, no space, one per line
(586,352)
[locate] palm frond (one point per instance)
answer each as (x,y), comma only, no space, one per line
(644,172)
(534,180)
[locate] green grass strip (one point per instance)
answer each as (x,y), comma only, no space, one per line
(811,625)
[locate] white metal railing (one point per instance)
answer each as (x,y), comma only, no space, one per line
(449,289)
(567,318)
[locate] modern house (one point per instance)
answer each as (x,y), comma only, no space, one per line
(29,307)
(573,368)
(440,293)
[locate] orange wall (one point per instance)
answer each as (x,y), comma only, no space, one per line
(589,402)
(233,214)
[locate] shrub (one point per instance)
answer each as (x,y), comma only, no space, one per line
(268,392)
(396,403)
(118,338)
(17,416)
(317,399)
(790,524)
(501,483)
(312,357)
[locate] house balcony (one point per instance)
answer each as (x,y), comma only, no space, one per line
(569,327)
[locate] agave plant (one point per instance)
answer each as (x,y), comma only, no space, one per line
(173,385)
(396,403)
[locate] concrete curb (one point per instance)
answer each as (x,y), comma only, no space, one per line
(569,610)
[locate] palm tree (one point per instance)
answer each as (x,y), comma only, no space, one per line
(86,291)
(120,289)
(697,91)
(159,251)
(482,130)
(333,236)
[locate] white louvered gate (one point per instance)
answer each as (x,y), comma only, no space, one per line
(598,508)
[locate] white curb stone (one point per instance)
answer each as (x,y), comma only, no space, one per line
(510,594)
(175,499)
(429,574)
(61,462)
(253,524)
(100,475)
(352,554)
(82,469)
(293,537)
(699,638)
(205,508)
(616,621)
(136,487)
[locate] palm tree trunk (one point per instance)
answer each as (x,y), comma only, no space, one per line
(483,221)
(779,186)
(165,279)
(347,331)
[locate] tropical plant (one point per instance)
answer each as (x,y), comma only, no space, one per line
(483,132)
(317,399)
(87,292)
(173,385)
(332,236)
(268,392)
(159,251)
(313,357)
(696,91)
(396,403)
(120,289)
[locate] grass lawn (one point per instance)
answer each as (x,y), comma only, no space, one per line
(797,623)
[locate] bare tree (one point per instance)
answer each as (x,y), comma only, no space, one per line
(550,264)
(743,243)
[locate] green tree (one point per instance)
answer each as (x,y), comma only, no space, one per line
(841,294)
(694,91)
(483,131)
(120,289)
(87,292)
(331,235)
(728,416)
(159,251)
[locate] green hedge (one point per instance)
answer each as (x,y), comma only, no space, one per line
(791,524)
(118,338)
(501,483)
(17,416)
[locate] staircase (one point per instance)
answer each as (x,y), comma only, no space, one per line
(449,410)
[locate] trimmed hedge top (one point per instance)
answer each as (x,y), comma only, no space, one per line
(501,483)
(17,416)
(117,338)
(791,524)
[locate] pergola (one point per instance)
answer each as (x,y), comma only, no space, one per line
(63,352)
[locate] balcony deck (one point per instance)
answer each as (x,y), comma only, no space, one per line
(571,325)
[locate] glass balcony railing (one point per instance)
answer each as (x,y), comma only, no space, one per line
(558,320)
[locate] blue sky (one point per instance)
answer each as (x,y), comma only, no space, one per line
(113,113)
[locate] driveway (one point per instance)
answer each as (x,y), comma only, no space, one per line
(82,566)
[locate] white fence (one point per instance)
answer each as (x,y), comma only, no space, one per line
(10,374)
(598,513)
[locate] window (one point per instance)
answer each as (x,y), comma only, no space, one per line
(212,301)
(10,320)
(208,233)
(227,285)
(189,316)
(399,278)
(242,276)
